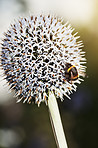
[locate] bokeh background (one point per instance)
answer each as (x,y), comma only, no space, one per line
(27,126)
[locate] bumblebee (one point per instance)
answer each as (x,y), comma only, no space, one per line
(71,73)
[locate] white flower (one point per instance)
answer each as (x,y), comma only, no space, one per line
(41,54)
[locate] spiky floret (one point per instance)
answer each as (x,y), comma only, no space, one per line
(34,54)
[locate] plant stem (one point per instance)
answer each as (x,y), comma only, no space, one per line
(56,121)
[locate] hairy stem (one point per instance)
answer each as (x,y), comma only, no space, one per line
(56,122)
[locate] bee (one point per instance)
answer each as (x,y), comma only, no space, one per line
(71,73)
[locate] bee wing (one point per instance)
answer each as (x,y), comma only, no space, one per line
(72,76)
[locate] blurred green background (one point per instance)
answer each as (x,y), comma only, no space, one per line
(27,126)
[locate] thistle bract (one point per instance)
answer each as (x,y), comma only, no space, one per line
(35,52)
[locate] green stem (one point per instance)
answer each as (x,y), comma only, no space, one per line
(56,122)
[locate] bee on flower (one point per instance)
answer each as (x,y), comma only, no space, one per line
(41,54)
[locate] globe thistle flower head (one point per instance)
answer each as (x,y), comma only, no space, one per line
(41,54)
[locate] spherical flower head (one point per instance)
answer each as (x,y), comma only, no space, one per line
(41,54)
